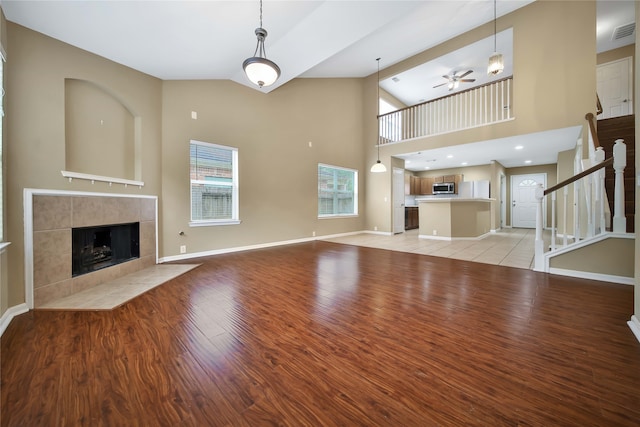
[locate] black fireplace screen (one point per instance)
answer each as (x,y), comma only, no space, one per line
(94,248)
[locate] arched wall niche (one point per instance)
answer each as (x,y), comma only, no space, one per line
(102,135)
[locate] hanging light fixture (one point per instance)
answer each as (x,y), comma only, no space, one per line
(258,68)
(496,63)
(378,166)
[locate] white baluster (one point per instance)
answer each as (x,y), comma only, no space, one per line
(553,221)
(598,178)
(565,213)
(619,163)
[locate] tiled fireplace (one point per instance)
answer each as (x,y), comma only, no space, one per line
(54,218)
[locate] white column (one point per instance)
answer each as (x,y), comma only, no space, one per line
(539,243)
(619,163)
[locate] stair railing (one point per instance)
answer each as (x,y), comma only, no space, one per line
(479,106)
(593,180)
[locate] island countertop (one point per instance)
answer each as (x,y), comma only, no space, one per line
(449,218)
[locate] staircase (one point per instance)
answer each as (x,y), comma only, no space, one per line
(608,131)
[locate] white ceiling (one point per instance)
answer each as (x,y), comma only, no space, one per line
(334,38)
(538,148)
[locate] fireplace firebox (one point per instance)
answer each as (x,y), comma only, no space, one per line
(94,248)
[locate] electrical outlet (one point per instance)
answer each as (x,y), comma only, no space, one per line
(194,115)
(313,234)
(435,232)
(183,249)
(375,228)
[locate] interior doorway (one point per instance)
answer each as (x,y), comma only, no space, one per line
(613,81)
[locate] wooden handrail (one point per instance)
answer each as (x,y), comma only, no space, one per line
(582,174)
(592,126)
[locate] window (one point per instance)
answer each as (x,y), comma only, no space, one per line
(214,184)
(337,191)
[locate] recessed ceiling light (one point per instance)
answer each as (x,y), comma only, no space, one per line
(407,161)
(464,163)
(527,161)
(427,167)
(450,156)
(519,147)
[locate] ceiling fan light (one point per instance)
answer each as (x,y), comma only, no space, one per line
(496,64)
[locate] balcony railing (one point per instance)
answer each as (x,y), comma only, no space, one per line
(480,106)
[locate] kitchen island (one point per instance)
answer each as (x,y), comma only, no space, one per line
(454,218)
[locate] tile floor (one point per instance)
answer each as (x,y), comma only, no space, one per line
(512,247)
(112,294)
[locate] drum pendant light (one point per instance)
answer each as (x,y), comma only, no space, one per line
(378,166)
(258,68)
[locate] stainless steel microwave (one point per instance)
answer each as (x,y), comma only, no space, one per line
(444,188)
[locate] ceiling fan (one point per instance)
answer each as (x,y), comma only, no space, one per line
(454,80)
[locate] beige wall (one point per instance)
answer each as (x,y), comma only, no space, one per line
(36,70)
(278,169)
(609,257)
(543,100)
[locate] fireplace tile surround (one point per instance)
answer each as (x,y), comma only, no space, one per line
(54,215)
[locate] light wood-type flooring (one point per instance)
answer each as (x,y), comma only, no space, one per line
(327,334)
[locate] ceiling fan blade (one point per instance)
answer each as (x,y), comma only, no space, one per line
(447,77)
(465,74)
(442,84)
(467,80)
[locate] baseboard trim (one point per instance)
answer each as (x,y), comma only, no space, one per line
(8,315)
(593,276)
(426,236)
(183,257)
(634,324)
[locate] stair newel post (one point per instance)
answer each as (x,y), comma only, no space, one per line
(599,182)
(619,163)
(539,244)
(553,221)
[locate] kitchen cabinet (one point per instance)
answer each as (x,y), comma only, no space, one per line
(414,185)
(426,186)
(411,216)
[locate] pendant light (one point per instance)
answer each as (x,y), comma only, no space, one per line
(496,63)
(258,68)
(378,166)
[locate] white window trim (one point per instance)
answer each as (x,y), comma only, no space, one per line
(355,194)
(235,209)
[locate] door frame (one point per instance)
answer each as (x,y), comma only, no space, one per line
(629,69)
(397,196)
(503,201)
(544,199)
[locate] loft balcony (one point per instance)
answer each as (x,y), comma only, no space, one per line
(480,106)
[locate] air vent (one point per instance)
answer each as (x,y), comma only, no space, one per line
(395,79)
(623,31)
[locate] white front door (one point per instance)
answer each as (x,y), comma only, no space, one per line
(523,199)
(398,200)
(614,88)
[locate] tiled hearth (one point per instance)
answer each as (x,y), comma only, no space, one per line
(54,216)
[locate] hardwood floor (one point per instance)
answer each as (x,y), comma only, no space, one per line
(327,334)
